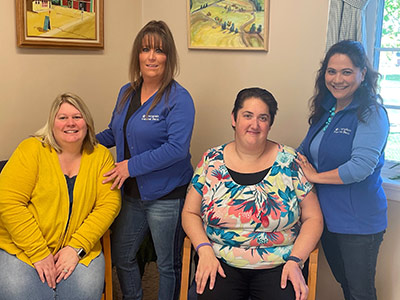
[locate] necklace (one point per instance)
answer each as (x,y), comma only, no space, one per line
(331,115)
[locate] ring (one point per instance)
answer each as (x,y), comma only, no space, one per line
(65,270)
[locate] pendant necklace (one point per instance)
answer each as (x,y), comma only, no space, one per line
(331,115)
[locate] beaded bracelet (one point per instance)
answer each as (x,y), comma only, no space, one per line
(201,245)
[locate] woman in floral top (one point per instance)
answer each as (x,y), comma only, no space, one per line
(250,213)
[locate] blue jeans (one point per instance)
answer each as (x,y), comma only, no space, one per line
(163,219)
(352,259)
(20,281)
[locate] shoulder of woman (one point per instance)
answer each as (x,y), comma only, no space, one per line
(124,87)
(31,143)
(375,112)
(27,152)
(286,154)
(214,151)
(100,150)
(287,149)
(179,90)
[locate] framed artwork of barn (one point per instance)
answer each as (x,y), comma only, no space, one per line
(68,24)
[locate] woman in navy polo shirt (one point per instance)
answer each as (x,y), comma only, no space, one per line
(151,128)
(344,154)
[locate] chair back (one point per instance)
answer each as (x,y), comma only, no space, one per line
(2,164)
(108,288)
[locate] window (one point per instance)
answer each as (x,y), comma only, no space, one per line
(387,62)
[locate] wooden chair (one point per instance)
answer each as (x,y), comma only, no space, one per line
(186,261)
(108,288)
(312,274)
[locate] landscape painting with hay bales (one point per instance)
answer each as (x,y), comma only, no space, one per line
(228,24)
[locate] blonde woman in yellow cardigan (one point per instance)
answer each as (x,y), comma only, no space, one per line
(54,208)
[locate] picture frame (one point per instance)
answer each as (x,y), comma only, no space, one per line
(228,24)
(62,24)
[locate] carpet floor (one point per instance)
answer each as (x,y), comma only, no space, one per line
(149,283)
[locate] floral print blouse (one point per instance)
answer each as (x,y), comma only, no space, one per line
(251,226)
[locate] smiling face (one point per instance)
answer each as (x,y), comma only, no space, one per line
(69,126)
(152,60)
(342,78)
(252,123)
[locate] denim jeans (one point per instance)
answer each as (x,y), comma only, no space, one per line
(20,281)
(352,259)
(163,219)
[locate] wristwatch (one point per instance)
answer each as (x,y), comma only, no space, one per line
(299,261)
(81,252)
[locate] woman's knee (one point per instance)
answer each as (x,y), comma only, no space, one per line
(86,282)
(19,280)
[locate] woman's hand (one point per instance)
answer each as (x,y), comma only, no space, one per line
(291,271)
(119,174)
(207,267)
(65,262)
(308,170)
(46,270)
(328,177)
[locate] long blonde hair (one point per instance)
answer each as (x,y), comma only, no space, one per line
(46,135)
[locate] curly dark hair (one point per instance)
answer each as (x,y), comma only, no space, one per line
(367,91)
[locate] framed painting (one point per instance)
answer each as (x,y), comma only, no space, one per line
(68,24)
(228,24)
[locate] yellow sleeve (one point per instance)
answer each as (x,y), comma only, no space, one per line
(105,210)
(17,181)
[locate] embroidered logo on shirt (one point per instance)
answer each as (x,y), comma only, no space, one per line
(346,131)
(151,118)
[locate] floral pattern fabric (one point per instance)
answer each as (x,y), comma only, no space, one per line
(251,226)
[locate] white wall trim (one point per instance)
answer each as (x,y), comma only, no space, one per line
(392,189)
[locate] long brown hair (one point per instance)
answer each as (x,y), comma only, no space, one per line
(367,91)
(157,35)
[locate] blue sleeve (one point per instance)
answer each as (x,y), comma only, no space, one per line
(368,144)
(106,137)
(301,147)
(179,123)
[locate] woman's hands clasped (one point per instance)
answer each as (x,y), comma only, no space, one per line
(207,267)
(119,174)
(53,269)
(65,262)
(46,270)
(291,271)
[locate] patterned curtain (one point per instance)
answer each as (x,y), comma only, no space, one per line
(346,21)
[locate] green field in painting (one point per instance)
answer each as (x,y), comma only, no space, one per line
(206,19)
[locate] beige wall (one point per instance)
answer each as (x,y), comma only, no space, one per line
(296,43)
(30,79)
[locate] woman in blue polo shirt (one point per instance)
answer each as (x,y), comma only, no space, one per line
(151,128)
(344,154)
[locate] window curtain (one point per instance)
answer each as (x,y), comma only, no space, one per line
(346,21)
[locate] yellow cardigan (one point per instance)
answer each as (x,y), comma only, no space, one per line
(34,203)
